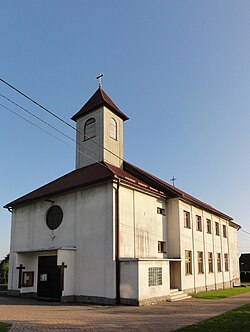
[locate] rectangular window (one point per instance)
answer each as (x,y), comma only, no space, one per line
(198,223)
(187,223)
(188,262)
(154,276)
(161,246)
(226,262)
(161,211)
(209,227)
(200,262)
(217,228)
(210,262)
(224,231)
(218,262)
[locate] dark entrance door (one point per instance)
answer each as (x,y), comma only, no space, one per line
(49,283)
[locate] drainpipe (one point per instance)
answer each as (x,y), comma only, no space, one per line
(117,254)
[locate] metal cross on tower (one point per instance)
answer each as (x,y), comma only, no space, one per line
(173,180)
(99,78)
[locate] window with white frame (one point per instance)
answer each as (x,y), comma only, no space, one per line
(154,276)
(226,262)
(188,261)
(161,211)
(161,246)
(187,222)
(113,128)
(217,228)
(198,223)
(89,129)
(218,262)
(209,226)
(224,228)
(200,262)
(210,262)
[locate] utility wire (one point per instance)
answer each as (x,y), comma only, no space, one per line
(57,117)
(46,123)
(32,123)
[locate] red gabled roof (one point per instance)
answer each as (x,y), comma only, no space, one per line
(171,191)
(104,171)
(76,179)
(99,98)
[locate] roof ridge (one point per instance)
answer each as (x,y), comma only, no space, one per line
(99,98)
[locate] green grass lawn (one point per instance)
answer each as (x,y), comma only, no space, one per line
(231,321)
(4,327)
(220,294)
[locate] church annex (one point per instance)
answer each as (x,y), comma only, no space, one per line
(109,232)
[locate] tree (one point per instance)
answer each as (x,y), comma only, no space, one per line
(4,269)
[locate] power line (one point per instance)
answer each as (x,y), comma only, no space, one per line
(244,231)
(46,123)
(81,152)
(57,117)
(32,123)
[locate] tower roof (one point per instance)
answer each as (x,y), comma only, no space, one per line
(99,98)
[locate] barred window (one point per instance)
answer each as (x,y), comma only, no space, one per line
(187,223)
(210,262)
(188,262)
(226,262)
(89,129)
(200,262)
(154,276)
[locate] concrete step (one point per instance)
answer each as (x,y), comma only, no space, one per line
(176,295)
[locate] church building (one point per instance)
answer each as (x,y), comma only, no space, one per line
(109,232)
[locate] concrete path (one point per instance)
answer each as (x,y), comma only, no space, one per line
(33,315)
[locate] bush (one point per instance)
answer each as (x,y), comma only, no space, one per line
(243,276)
(3,287)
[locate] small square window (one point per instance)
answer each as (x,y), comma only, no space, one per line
(154,276)
(161,211)
(187,223)
(161,246)
(198,224)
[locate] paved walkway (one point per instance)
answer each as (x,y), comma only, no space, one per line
(33,315)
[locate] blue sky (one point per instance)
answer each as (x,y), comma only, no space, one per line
(179,69)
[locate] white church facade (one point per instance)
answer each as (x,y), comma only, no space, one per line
(109,232)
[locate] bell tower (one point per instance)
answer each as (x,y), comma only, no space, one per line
(99,136)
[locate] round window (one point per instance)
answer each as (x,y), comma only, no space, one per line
(54,217)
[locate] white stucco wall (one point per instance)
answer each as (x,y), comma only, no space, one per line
(195,240)
(88,152)
(141,227)
(87,226)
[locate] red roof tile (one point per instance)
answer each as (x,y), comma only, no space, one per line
(99,98)
(100,172)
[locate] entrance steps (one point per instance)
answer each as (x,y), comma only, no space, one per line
(177,295)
